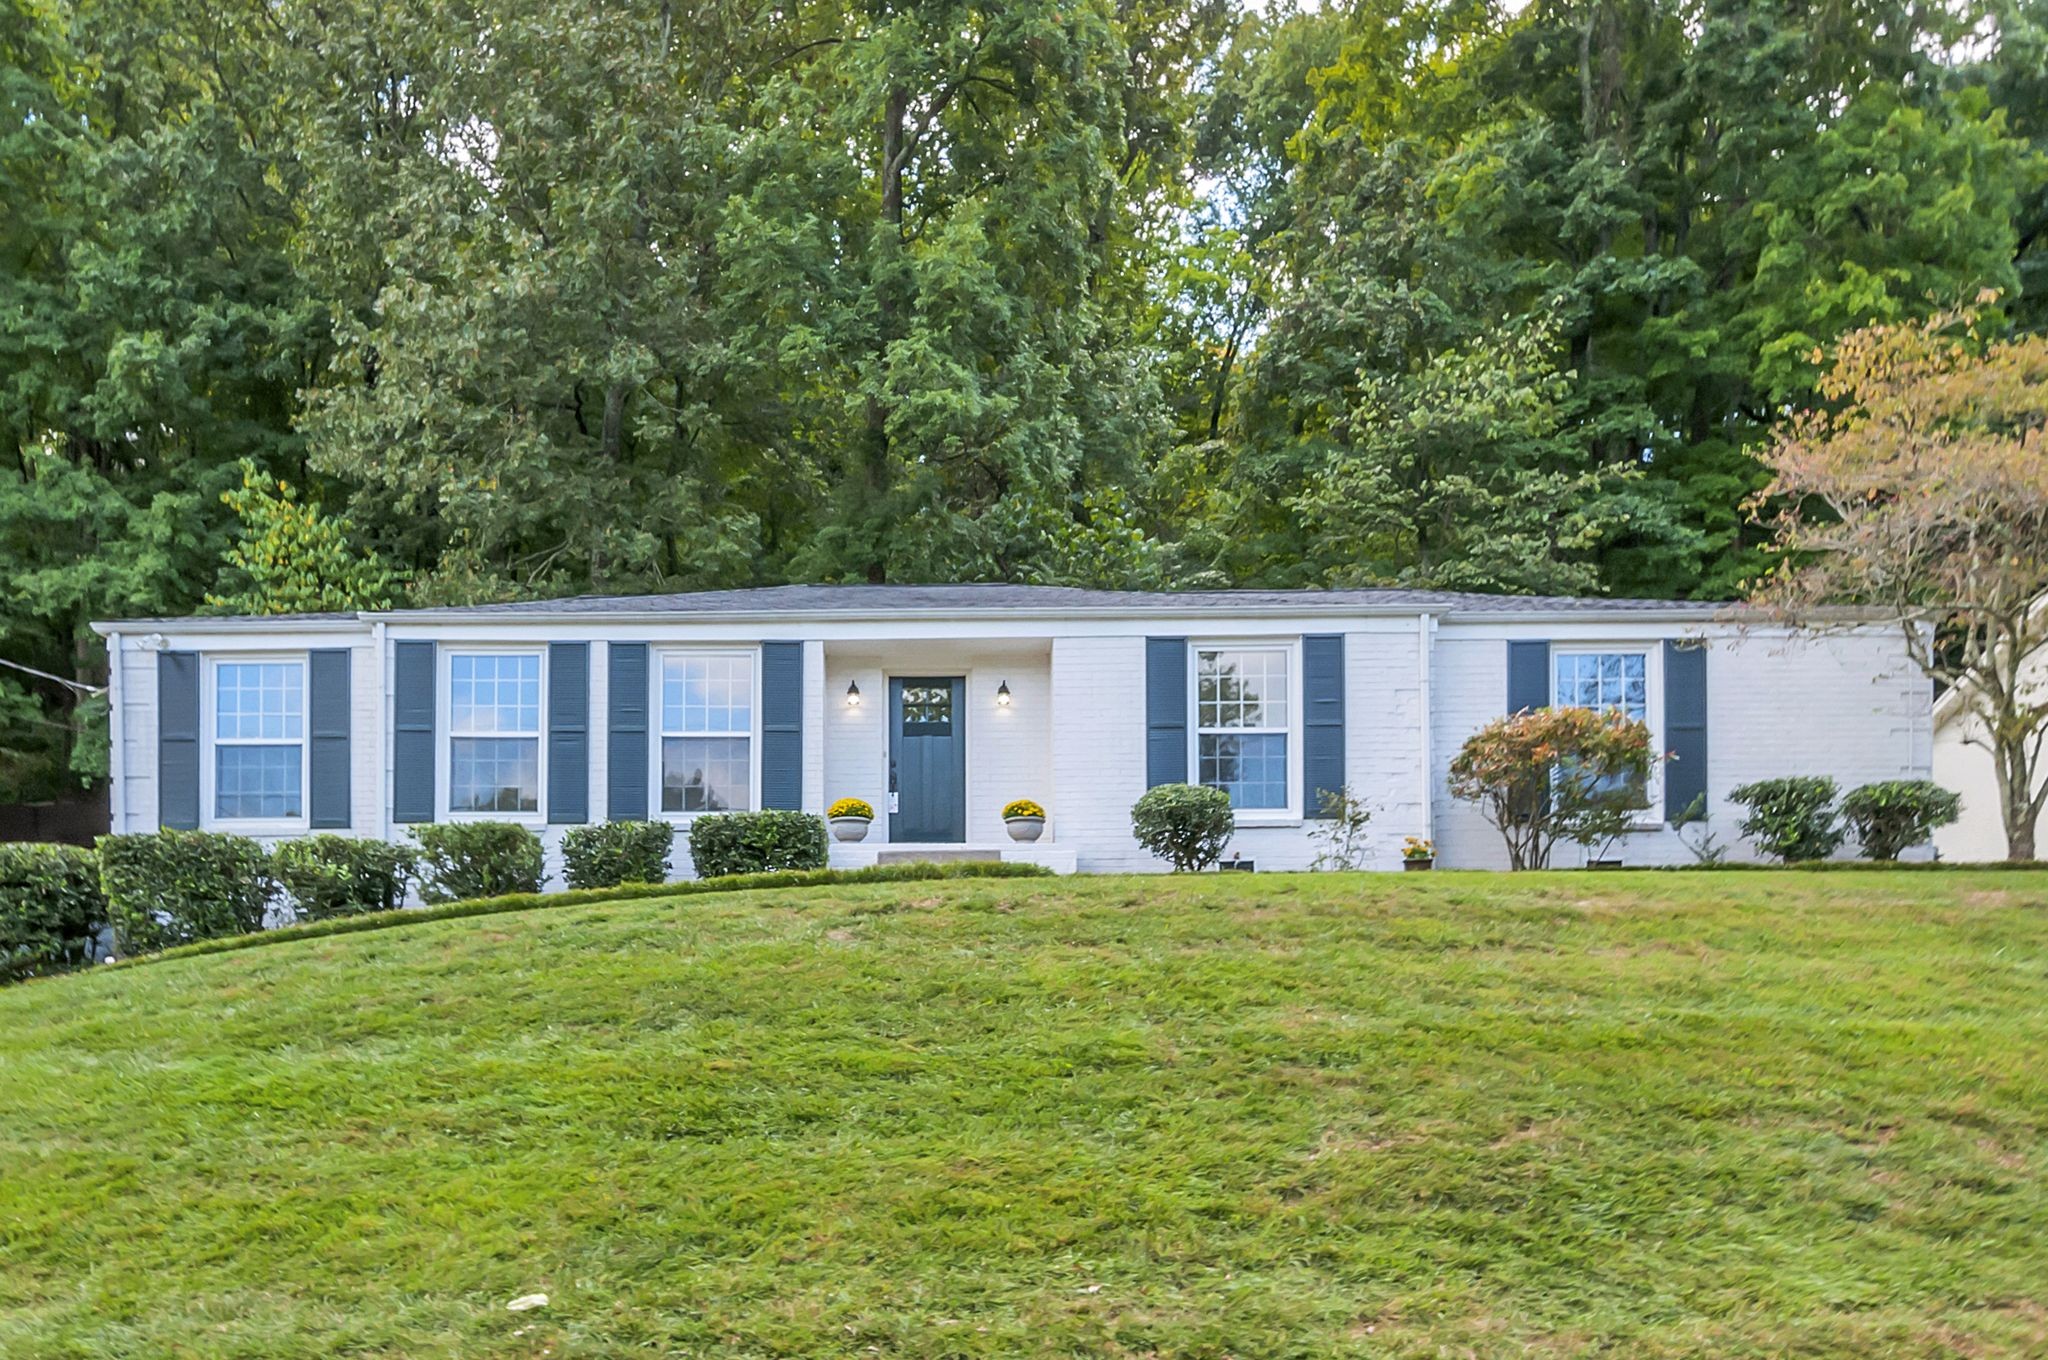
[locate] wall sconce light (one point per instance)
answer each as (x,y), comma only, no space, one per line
(1003,695)
(852,695)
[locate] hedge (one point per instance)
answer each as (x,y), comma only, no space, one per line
(174,887)
(461,860)
(51,908)
(756,842)
(327,876)
(606,854)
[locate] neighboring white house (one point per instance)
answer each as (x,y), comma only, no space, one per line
(1963,765)
(939,704)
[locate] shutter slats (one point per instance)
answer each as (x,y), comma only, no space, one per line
(177,746)
(329,714)
(568,732)
(1685,725)
(412,732)
(626,724)
(1322,737)
(1528,676)
(1166,711)
(782,724)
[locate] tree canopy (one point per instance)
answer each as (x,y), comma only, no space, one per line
(518,297)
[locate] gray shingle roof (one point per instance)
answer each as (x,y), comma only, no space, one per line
(956,599)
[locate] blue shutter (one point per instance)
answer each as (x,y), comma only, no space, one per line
(1166,711)
(1322,734)
(568,732)
(782,724)
(1528,676)
(626,753)
(412,732)
(177,740)
(1685,725)
(329,710)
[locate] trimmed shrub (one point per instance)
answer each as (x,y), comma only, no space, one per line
(1791,819)
(461,860)
(1898,814)
(610,853)
(173,887)
(328,876)
(1186,825)
(756,842)
(50,908)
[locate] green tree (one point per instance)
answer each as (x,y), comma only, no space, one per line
(289,558)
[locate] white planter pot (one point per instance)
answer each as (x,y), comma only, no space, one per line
(1025,828)
(849,828)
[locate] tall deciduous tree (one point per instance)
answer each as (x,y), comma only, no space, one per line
(1921,490)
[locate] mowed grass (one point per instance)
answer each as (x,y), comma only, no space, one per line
(1637,1114)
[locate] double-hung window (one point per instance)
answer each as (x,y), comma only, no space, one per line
(1243,709)
(707,731)
(494,732)
(259,740)
(1603,680)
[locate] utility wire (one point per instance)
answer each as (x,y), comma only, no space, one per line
(80,686)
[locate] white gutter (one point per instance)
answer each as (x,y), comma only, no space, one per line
(117,765)
(199,623)
(480,616)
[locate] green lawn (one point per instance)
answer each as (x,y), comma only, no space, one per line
(1639,1114)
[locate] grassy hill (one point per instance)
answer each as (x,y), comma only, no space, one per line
(1739,1114)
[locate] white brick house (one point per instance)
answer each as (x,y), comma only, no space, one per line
(939,704)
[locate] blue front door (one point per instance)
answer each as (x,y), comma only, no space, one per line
(927,760)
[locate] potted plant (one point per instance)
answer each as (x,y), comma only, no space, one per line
(849,818)
(1025,819)
(1417,853)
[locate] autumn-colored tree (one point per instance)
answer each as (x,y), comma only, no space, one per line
(1555,774)
(1919,491)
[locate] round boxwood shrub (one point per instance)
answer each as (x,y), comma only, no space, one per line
(1186,825)
(51,908)
(461,860)
(174,887)
(1897,814)
(328,876)
(1791,819)
(610,853)
(724,843)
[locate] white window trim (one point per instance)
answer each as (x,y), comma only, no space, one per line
(210,743)
(1291,815)
(657,728)
(444,726)
(1650,818)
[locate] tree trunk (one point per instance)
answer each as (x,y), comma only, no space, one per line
(2018,805)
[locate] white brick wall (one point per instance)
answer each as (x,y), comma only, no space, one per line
(1099,751)
(1850,706)
(1008,749)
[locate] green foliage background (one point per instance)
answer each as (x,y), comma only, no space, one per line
(367,302)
